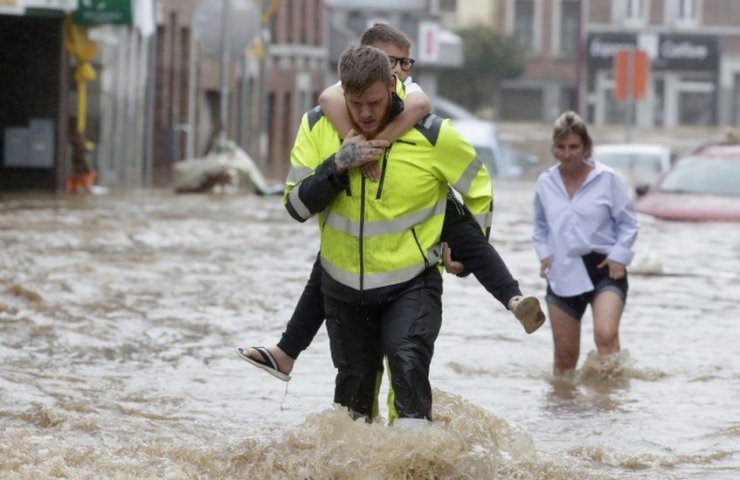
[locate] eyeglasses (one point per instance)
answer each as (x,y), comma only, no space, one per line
(406,63)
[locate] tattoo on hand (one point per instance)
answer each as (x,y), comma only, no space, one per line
(348,155)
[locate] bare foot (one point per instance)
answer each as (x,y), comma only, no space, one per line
(284,361)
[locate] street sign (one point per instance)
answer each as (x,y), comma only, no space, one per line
(104,11)
(630,74)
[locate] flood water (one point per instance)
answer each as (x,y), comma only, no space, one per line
(119,315)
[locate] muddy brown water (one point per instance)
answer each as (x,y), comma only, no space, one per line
(119,315)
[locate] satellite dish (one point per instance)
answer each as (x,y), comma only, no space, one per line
(208,30)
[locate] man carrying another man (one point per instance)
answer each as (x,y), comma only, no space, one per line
(380,241)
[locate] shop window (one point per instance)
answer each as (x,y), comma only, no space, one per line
(521,104)
(569,19)
(696,108)
(636,9)
(631,12)
(687,12)
(448,5)
(614,111)
(318,25)
(659,102)
(289,34)
(568,99)
(524,24)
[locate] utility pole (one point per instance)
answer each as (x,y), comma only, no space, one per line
(225,64)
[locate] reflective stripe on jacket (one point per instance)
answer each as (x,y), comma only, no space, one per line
(376,234)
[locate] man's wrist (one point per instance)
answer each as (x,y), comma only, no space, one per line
(348,155)
(339,167)
(330,170)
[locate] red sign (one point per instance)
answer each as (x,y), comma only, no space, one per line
(630,74)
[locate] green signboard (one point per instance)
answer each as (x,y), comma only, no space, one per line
(104,11)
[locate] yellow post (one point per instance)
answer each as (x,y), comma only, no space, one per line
(83,50)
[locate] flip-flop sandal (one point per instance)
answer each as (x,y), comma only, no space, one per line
(266,363)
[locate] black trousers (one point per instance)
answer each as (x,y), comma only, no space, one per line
(401,322)
(469,246)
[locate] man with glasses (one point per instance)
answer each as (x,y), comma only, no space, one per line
(461,230)
(405,63)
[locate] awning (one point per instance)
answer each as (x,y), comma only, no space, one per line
(86,12)
(137,13)
(37,7)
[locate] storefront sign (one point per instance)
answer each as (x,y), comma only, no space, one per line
(687,52)
(602,47)
(104,11)
(674,51)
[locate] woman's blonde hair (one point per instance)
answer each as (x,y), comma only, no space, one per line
(570,122)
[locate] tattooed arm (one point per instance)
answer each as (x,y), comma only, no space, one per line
(356,151)
(314,192)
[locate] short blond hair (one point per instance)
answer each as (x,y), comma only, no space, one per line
(384,33)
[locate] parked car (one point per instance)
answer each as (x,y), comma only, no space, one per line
(446,108)
(501,160)
(636,163)
(703,186)
(483,136)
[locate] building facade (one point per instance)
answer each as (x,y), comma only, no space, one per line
(155,95)
(549,31)
(69,66)
(270,84)
(295,67)
(693,50)
(434,47)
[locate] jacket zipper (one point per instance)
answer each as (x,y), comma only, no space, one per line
(421,250)
(383,167)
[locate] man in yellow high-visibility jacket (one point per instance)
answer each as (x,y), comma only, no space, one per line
(380,241)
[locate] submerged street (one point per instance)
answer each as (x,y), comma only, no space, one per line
(119,315)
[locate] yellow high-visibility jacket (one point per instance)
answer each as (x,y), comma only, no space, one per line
(377,234)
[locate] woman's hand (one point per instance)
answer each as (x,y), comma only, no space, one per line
(545,266)
(616,269)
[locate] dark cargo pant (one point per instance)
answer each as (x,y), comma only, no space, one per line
(403,324)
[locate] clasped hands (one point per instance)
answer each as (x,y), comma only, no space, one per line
(358,152)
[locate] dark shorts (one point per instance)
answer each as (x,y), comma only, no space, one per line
(576,306)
